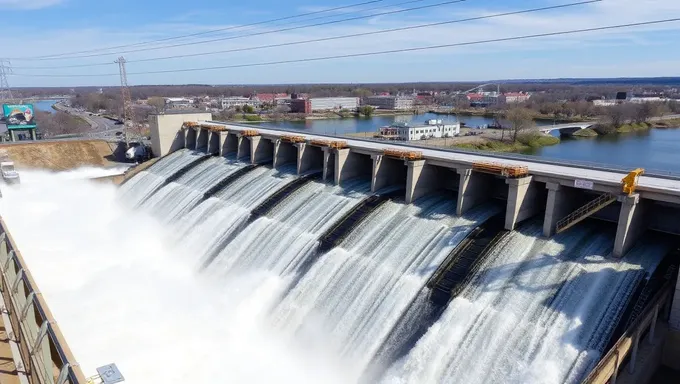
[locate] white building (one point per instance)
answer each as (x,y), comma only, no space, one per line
(390,102)
(178,102)
(431,129)
(237,101)
(646,99)
(334,103)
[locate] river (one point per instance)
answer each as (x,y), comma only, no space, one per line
(45,105)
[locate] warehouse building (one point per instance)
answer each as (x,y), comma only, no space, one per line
(334,103)
(390,102)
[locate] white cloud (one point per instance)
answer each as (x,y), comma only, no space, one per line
(28,4)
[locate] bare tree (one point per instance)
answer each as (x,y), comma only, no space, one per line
(617,115)
(157,102)
(519,119)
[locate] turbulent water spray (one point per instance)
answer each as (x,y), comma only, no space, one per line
(266,307)
(538,311)
(123,293)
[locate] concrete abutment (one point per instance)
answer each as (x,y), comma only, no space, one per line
(214,144)
(633,221)
(423,178)
(229,144)
(474,188)
(202,140)
(191,139)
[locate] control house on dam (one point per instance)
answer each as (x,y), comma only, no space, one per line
(580,260)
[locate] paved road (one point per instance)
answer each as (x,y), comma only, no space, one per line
(667,185)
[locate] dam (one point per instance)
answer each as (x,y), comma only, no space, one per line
(303,258)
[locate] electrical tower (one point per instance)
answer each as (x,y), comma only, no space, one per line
(5,70)
(128,118)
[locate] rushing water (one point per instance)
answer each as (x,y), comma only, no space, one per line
(538,311)
(195,280)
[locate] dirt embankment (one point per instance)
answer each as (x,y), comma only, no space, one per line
(61,155)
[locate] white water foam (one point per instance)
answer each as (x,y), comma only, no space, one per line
(122,293)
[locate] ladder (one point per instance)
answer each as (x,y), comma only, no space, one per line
(585,211)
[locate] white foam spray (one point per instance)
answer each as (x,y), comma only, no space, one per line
(122,293)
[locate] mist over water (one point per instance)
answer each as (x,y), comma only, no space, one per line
(122,292)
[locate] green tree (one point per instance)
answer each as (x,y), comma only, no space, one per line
(366,110)
(248,109)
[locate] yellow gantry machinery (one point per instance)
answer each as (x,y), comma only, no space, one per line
(505,170)
(402,154)
(250,132)
(293,139)
(628,186)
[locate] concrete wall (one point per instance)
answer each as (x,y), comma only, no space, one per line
(261,150)
(166,133)
(284,153)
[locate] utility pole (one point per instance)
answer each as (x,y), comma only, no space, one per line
(5,70)
(127,101)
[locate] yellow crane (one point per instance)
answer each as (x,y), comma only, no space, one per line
(630,182)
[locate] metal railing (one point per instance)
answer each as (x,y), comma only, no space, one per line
(585,211)
(623,169)
(627,345)
(46,357)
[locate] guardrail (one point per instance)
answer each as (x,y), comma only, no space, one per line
(608,368)
(658,173)
(46,357)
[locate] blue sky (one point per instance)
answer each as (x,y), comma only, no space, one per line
(50,27)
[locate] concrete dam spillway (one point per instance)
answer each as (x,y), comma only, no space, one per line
(346,272)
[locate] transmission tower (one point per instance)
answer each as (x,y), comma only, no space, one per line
(127,100)
(5,91)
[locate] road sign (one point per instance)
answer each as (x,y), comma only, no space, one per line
(109,374)
(583,184)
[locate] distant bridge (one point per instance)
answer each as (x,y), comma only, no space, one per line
(569,128)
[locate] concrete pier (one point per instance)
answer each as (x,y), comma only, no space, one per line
(284,153)
(474,189)
(350,164)
(328,163)
(632,223)
(243,149)
(228,144)
(309,158)
(261,150)
(214,143)
(386,172)
(202,140)
(525,199)
(560,203)
(421,179)
(191,138)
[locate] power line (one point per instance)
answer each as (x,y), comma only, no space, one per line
(260,33)
(300,42)
(376,53)
(204,32)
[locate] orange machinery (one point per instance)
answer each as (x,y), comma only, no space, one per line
(402,154)
(506,170)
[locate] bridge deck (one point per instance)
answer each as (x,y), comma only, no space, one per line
(652,184)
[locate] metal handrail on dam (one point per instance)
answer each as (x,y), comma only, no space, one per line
(627,345)
(44,357)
